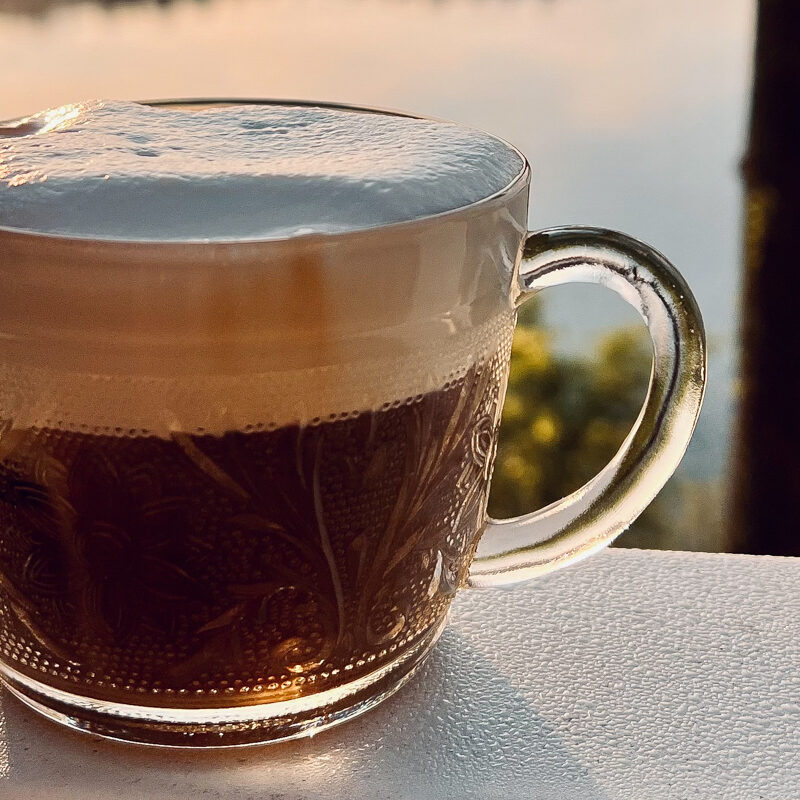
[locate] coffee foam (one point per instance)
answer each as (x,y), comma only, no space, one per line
(150,338)
(135,172)
(159,405)
(154,339)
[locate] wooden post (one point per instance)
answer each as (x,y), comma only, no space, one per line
(766,487)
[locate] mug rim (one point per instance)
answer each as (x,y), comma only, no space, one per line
(492,201)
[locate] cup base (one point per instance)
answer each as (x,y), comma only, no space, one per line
(222,727)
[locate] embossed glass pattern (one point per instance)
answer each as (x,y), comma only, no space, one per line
(244,568)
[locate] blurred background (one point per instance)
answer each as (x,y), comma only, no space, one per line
(635,116)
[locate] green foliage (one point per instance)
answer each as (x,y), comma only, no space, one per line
(565,417)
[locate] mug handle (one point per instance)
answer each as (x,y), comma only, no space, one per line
(521,548)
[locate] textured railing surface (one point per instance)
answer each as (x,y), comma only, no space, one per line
(634,674)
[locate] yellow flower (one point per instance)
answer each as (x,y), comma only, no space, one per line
(544,429)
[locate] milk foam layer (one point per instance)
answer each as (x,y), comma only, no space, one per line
(128,171)
(102,333)
(159,405)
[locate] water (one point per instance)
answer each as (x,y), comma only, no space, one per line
(632,113)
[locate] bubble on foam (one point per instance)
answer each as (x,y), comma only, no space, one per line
(128,171)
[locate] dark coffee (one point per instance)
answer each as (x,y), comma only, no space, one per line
(253,566)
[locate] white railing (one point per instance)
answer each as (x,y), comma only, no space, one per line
(634,674)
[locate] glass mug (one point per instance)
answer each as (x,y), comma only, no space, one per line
(213,538)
